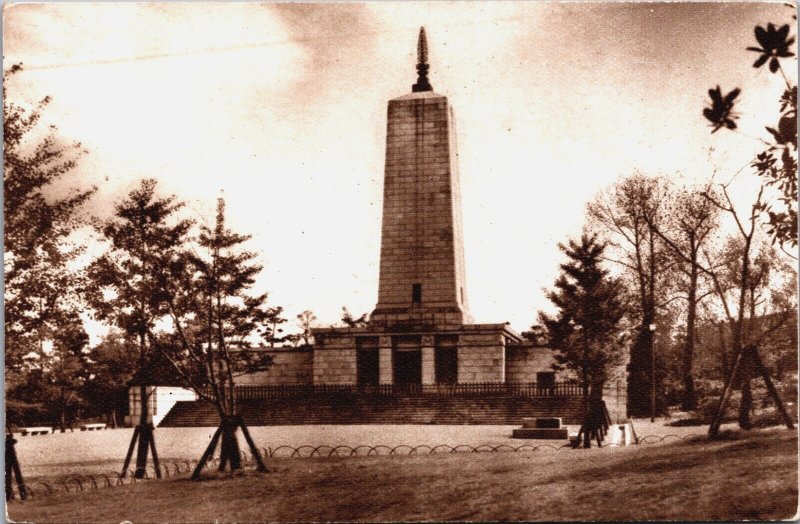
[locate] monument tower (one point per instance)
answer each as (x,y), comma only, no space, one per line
(422,250)
(421,331)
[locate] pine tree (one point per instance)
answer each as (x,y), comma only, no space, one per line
(588,331)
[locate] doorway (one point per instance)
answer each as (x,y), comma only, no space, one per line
(407,360)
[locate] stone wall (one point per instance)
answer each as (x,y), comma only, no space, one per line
(289,366)
(523,361)
(481,357)
(335,361)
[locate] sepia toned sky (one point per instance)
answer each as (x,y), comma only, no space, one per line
(281,108)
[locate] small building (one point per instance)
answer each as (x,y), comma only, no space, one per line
(163,392)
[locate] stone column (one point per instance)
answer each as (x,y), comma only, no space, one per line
(385,375)
(428,363)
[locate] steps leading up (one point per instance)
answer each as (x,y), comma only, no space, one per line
(359,409)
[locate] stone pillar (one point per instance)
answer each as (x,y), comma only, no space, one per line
(428,362)
(385,375)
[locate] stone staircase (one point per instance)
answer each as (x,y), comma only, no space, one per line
(359,409)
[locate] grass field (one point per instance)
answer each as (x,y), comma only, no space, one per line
(748,476)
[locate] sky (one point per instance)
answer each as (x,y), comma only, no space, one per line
(281,109)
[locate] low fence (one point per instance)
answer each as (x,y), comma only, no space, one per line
(478,389)
(183,468)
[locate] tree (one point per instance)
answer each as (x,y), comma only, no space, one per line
(692,218)
(272,331)
(588,331)
(65,373)
(305,321)
(39,289)
(126,285)
(782,223)
(627,215)
(215,321)
(112,363)
(755,305)
(352,322)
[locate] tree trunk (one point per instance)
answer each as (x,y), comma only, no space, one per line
(230,446)
(746,403)
(723,352)
(689,399)
(144,441)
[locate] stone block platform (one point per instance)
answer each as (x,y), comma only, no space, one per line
(545,428)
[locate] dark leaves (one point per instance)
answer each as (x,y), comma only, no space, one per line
(774,44)
(720,113)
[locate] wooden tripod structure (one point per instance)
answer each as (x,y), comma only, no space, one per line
(595,425)
(143,433)
(748,356)
(229,450)
(13,471)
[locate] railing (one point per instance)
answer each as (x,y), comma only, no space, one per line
(479,389)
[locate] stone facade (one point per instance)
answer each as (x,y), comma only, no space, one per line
(289,366)
(525,361)
(335,360)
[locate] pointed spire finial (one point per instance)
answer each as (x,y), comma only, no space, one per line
(422,64)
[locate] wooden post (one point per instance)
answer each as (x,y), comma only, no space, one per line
(206,454)
(128,456)
(759,364)
(253,449)
(155,455)
(13,471)
(713,429)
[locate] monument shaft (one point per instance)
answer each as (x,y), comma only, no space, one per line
(422,253)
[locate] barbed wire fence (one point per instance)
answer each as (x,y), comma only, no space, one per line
(177,468)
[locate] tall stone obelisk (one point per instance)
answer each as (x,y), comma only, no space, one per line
(422,253)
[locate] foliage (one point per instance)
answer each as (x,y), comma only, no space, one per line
(38,218)
(352,322)
(774,44)
(272,331)
(215,318)
(111,365)
(777,165)
(65,372)
(127,280)
(588,332)
(720,113)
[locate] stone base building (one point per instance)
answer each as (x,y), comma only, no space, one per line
(421,334)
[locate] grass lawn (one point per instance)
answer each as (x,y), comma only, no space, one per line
(748,476)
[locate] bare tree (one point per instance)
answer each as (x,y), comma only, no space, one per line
(627,215)
(690,220)
(744,278)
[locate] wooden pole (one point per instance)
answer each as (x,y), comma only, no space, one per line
(759,364)
(713,429)
(206,454)
(13,470)
(130,451)
(155,455)
(253,449)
